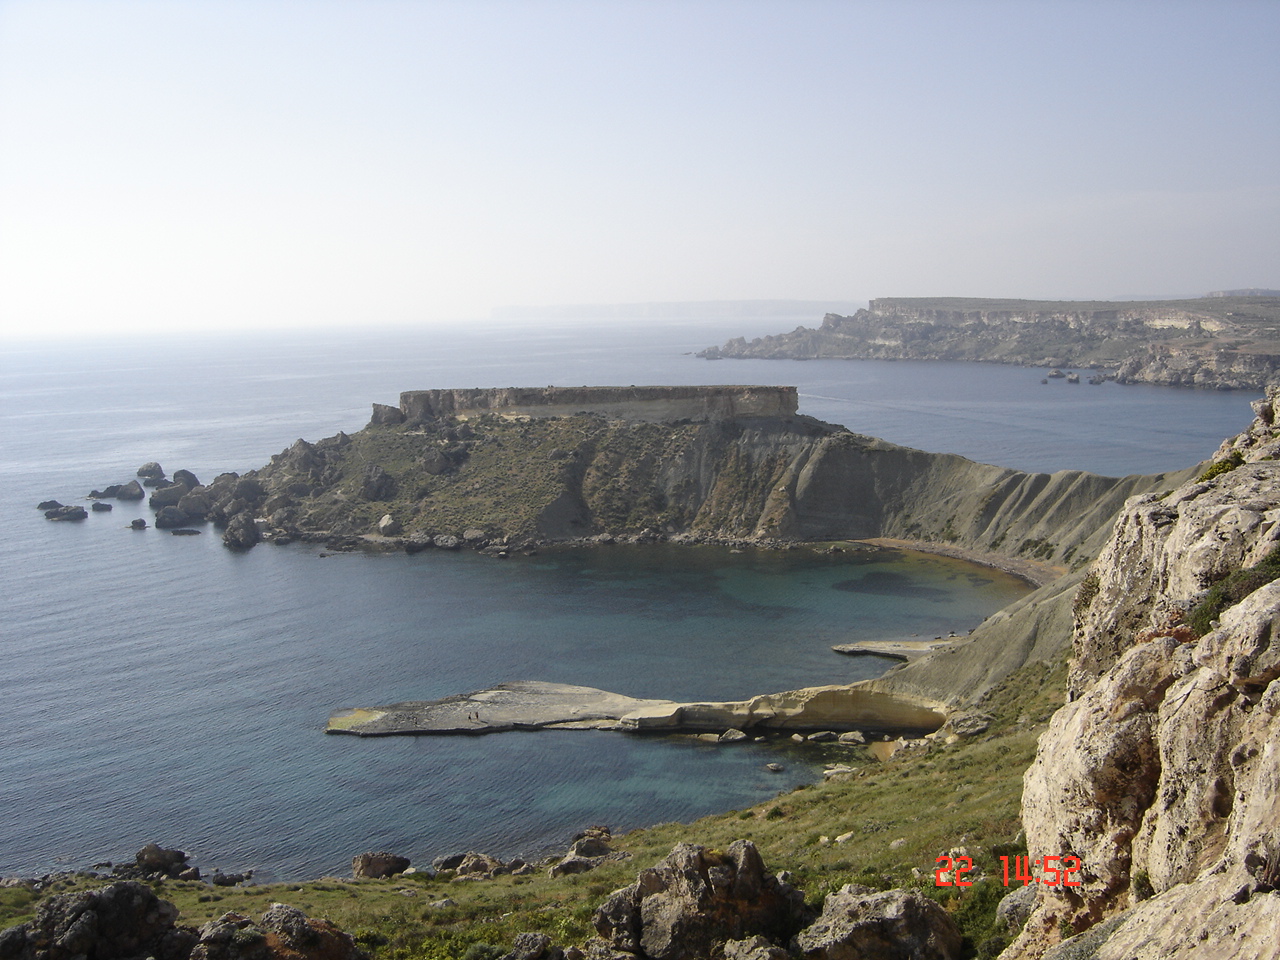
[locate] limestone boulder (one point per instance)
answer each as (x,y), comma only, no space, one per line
(376,866)
(858,921)
(281,933)
(694,900)
(73,512)
(479,866)
(150,471)
(242,532)
(171,517)
(121,920)
(131,491)
(168,496)
(533,946)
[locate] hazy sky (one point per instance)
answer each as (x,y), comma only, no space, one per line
(233,163)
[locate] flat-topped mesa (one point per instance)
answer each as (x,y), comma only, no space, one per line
(651,404)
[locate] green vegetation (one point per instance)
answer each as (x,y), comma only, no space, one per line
(1219,467)
(1231,589)
(899,816)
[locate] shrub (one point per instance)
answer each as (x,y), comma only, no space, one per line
(1231,589)
(1219,467)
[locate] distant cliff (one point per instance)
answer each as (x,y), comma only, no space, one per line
(622,403)
(1226,342)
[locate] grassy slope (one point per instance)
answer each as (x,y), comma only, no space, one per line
(965,794)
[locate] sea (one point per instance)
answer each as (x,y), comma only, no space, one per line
(166,689)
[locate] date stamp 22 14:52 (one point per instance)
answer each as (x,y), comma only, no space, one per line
(1022,870)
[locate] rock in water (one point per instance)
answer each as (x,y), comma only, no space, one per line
(171,517)
(241,533)
(66,513)
(130,491)
(168,496)
(150,471)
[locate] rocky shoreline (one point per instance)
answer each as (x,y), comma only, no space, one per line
(1216,342)
(537,705)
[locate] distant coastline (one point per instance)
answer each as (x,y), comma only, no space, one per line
(1222,341)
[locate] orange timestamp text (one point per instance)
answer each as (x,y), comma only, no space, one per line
(1055,875)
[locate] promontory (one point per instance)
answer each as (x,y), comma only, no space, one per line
(1227,340)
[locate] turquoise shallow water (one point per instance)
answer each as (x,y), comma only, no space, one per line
(163,688)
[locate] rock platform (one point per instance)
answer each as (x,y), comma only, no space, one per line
(537,705)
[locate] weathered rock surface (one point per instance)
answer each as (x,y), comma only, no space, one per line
(377,866)
(281,933)
(1161,774)
(154,862)
(693,900)
(528,705)
(533,946)
(242,532)
(622,403)
(465,460)
(888,925)
(73,512)
(171,517)
(122,920)
(131,491)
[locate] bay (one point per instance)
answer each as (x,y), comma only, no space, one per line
(166,689)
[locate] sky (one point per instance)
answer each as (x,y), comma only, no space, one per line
(172,165)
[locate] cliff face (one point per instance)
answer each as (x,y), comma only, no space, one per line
(1162,772)
(1229,343)
(507,479)
(650,404)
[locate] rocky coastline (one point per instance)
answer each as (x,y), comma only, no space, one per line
(538,705)
(1158,774)
(1213,342)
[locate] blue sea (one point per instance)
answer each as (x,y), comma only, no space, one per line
(165,689)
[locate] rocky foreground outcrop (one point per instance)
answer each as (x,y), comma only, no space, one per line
(1162,772)
(127,920)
